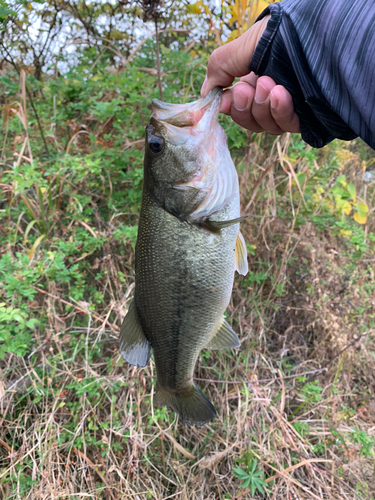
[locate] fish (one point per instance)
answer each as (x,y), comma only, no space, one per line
(188,247)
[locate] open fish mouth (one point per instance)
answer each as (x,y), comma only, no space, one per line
(194,114)
(194,128)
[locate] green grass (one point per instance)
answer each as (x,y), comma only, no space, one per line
(76,420)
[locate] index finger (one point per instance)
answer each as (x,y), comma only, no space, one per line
(232,60)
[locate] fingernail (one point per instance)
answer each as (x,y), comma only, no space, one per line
(203,89)
(261,94)
(240,101)
(274,100)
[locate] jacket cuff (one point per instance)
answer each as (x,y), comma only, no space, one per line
(279,55)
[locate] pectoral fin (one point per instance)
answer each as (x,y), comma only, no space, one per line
(224,338)
(216,225)
(134,346)
(240,256)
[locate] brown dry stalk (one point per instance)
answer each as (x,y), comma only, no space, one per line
(72,139)
(7,447)
(158,58)
(284,475)
(296,466)
(90,313)
(95,469)
(178,447)
(258,183)
(262,380)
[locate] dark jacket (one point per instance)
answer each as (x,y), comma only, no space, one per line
(323,52)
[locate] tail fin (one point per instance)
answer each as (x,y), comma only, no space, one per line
(191,406)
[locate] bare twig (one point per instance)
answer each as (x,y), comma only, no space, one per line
(95,469)
(15,65)
(115,327)
(158,57)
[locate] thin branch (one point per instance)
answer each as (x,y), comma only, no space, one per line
(80,309)
(158,57)
(31,100)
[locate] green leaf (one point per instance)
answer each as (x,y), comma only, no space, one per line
(361,207)
(246,483)
(18,318)
(352,191)
(342,180)
(259,486)
(254,465)
(301,178)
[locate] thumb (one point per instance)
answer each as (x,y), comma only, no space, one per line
(232,59)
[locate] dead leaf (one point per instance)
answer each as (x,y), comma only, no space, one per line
(213,459)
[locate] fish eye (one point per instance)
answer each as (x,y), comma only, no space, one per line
(156,144)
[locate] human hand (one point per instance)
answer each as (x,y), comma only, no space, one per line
(255,103)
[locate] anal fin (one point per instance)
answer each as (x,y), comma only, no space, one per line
(134,346)
(240,256)
(224,338)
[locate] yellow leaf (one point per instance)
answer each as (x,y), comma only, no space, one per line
(330,206)
(345,234)
(260,6)
(233,35)
(347,208)
(42,190)
(32,250)
(361,207)
(343,205)
(360,218)
(342,180)
(196,8)
(345,155)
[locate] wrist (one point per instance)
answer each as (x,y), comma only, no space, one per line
(253,35)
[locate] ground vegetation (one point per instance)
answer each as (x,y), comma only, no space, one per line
(296,404)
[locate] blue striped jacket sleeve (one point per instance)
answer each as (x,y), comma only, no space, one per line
(323,52)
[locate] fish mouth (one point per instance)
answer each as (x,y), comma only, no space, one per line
(191,114)
(200,146)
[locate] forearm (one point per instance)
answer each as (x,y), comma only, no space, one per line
(323,53)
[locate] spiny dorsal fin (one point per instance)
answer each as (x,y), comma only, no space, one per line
(224,338)
(240,256)
(216,225)
(134,346)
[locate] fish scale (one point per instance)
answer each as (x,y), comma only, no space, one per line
(184,275)
(184,268)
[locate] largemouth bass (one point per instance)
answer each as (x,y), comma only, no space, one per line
(188,247)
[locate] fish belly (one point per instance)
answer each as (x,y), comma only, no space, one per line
(184,278)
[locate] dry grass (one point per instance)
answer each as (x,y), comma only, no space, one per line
(76,425)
